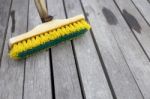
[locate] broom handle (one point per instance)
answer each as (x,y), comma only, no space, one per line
(42,9)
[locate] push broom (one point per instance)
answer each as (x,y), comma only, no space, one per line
(48,34)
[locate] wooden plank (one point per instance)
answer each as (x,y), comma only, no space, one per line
(11,71)
(138,62)
(144,8)
(138,25)
(108,26)
(65,75)
(37,71)
(94,82)
(4,14)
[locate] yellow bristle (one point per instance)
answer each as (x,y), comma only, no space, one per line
(14,51)
(52,35)
(38,39)
(24,44)
(59,32)
(33,41)
(77,26)
(43,38)
(46,37)
(63,31)
(29,43)
(72,28)
(85,24)
(80,25)
(68,29)
(49,36)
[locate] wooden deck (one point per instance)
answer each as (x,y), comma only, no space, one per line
(111,61)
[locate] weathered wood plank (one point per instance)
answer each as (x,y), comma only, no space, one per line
(65,75)
(37,71)
(4,14)
(11,71)
(144,7)
(94,82)
(107,23)
(138,62)
(137,24)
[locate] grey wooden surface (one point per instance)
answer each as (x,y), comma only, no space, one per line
(137,60)
(37,84)
(4,15)
(143,7)
(111,61)
(104,31)
(84,53)
(66,80)
(11,71)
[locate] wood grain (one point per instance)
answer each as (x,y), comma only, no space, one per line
(105,34)
(65,74)
(11,71)
(95,85)
(37,71)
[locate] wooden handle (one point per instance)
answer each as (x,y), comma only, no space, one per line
(42,9)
